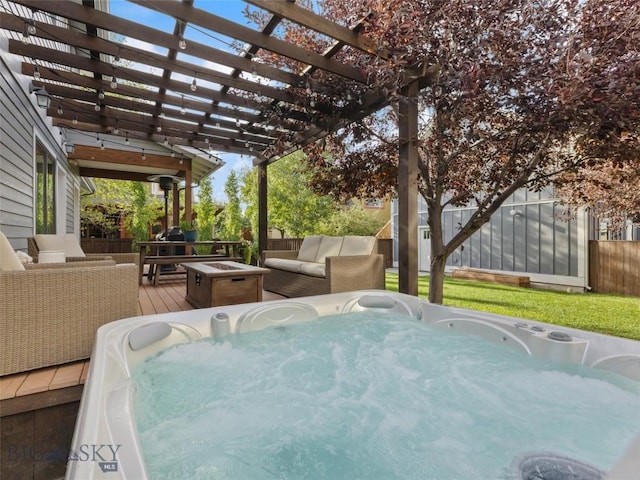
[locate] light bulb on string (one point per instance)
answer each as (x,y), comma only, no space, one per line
(26,34)
(116,130)
(75,119)
(193,86)
(144,157)
(36,72)
(60,111)
(31,27)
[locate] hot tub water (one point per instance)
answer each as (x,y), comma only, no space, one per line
(370,396)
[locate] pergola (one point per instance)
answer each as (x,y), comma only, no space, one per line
(201,97)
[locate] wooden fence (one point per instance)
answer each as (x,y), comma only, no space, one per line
(385,246)
(614,267)
(106,245)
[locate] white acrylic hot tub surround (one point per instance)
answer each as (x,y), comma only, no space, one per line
(106,445)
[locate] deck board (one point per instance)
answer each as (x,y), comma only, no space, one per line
(67,376)
(37,381)
(10,384)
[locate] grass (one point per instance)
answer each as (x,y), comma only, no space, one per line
(595,312)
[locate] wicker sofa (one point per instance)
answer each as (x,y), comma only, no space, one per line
(49,313)
(72,249)
(325,264)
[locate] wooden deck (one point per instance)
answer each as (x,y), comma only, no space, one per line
(38,408)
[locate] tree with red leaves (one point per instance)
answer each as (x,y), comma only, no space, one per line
(517,93)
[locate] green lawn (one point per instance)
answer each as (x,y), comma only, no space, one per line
(596,312)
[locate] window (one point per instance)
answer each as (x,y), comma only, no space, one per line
(45,191)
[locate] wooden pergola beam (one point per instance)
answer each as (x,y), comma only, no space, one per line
(309,19)
(213,22)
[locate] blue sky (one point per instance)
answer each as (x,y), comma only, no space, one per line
(229,9)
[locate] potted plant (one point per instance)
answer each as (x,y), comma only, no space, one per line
(189,230)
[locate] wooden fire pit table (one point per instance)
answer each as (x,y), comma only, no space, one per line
(212,284)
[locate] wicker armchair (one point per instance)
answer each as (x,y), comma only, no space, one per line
(49,313)
(69,243)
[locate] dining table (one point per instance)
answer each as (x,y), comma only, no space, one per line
(225,248)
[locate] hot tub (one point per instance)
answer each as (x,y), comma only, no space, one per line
(107,443)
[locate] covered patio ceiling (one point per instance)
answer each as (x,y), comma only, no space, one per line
(200,95)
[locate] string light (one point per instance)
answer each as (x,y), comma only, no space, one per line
(101,94)
(114,80)
(206,140)
(144,157)
(25,33)
(97,139)
(182,43)
(182,109)
(166,140)
(193,86)
(36,72)
(101,145)
(159,128)
(116,130)
(31,27)
(126,138)
(97,106)
(75,119)
(60,112)
(173,154)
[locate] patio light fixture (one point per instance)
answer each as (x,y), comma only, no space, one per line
(42,96)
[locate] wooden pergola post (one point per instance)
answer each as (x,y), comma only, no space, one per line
(262,208)
(408,192)
(188,192)
(175,198)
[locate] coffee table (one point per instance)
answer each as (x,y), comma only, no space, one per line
(212,284)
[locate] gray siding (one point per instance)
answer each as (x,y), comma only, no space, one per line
(19,119)
(536,241)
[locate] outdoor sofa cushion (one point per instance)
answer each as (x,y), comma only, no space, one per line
(356,245)
(329,247)
(9,261)
(68,243)
(309,248)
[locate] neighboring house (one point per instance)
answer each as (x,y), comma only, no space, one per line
(526,235)
(42,178)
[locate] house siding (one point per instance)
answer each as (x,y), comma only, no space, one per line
(21,125)
(536,242)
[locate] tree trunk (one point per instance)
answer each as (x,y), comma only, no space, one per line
(436,278)
(438,254)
